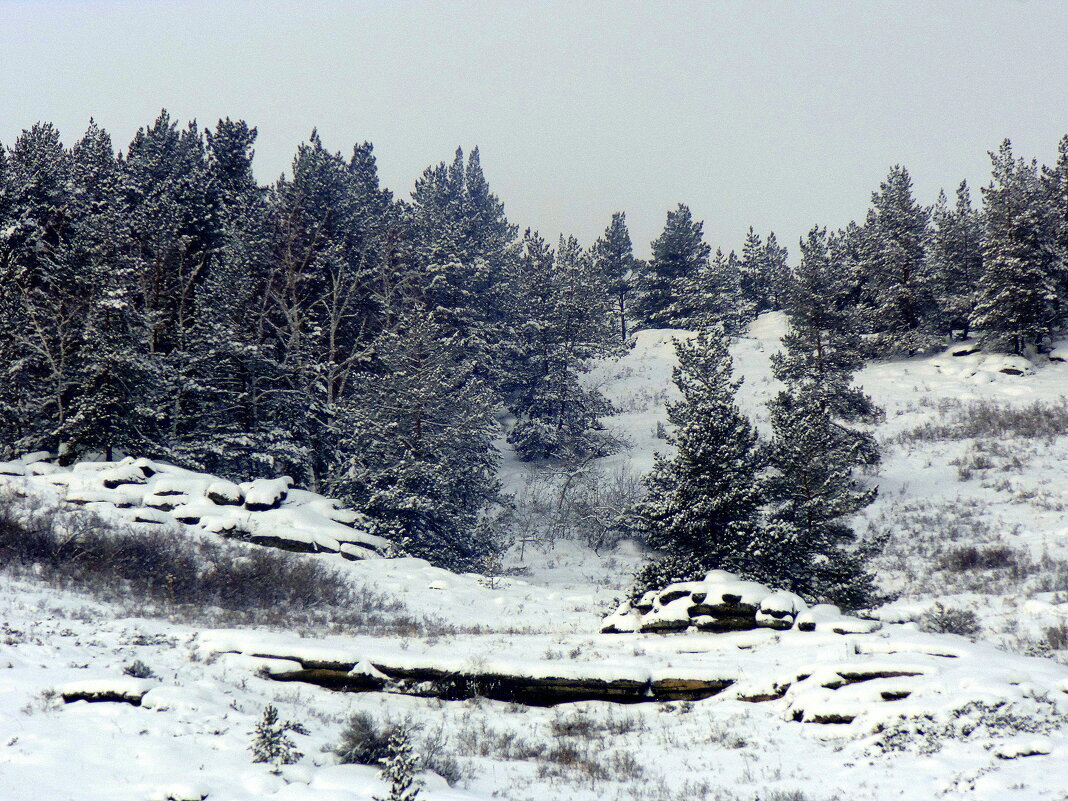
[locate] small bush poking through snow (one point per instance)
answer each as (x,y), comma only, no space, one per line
(271,742)
(926,734)
(365,742)
(139,670)
(969,557)
(948,620)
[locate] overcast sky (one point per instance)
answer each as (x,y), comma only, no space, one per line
(777,115)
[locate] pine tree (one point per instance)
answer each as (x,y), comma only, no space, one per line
(680,254)
(241,402)
(271,742)
(113,406)
(776,266)
(172,222)
(823,343)
(902,312)
(807,546)
(463,246)
(414,449)
(956,259)
(566,321)
(1055,182)
(328,225)
(763,273)
(1018,302)
(713,297)
(42,294)
(613,256)
(399,768)
(701,507)
(753,273)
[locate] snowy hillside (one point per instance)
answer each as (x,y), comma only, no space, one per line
(968,699)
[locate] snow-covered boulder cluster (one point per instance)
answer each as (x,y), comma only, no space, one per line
(967,361)
(723,602)
(265,511)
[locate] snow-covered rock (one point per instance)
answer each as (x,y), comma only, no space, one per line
(265,511)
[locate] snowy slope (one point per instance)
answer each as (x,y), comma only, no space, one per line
(929,715)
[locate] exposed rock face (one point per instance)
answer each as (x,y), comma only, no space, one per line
(433,682)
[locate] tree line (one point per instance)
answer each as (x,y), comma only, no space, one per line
(159,301)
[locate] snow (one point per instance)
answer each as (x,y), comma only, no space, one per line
(860,709)
(139,491)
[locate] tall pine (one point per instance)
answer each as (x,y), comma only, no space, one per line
(1017,301)
(680,255)
(701,507)
(956,258)
(901,296)
(613,256)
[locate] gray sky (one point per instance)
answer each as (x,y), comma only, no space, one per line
(775,114)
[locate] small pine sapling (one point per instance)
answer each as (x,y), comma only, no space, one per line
(399,767)
(271,742)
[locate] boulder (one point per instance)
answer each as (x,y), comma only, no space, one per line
(224,493)
(266,493)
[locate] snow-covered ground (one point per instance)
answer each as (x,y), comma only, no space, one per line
(930,715)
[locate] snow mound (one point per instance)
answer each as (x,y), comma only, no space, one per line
(264,512)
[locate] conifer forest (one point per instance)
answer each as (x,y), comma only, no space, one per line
(514,476)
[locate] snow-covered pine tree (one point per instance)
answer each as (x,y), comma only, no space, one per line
(701,506)
(43,295)
(1017,301)
(713,297)
(753,273)
(680,254)
(271,742)
(414,446)
(1055,182)
(956,259)
(9,314)
(567,321)
(113,406)
(463,246)
(172,221)
(613,256)
(807,545)
(327,228)
(902,313)
(241,401)
(823,343)
(400,766)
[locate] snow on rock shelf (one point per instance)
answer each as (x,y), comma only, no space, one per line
(723,602)
(266,512)
(860,682)
(120,688)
